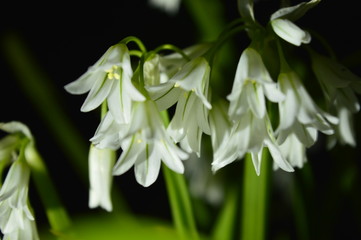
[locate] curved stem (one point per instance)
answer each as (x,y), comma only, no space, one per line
(221,40)
(136,41)
(172,48)
(56,213)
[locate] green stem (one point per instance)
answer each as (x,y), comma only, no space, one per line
(226,222)
(56,213)
(136,41)
(255,193)
(179,199)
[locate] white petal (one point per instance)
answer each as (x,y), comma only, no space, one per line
(165,95)
(277,156)
(147,167)
(294,12)
(97,95)
(131,149)
(84,83)
(256,159)
(171,155)
(290,32)
(346,130)
(255,99)
(273,93)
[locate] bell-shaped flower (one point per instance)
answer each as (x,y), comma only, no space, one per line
(299,114)
(282,23)
(146,144)
(193,76)
(28,232)
(109,79)
(109,133)
(340,86)
(14,209)
(101,162)
(251,84)
(251,134)
(294,151)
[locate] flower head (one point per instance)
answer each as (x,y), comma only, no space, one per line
(146,144)
(14,209)
(251,84)
(16,219)
(340,86)
(109,79)
(299,114)
(282,23)
(101,163)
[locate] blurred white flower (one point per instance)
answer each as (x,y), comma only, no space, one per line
(101,162)
(340,86)
(299,114)
(14,209)
(169,6)
(109,79)
(250,134)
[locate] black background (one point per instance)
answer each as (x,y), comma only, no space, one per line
(64,41)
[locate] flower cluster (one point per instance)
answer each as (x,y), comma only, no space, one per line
(157,108)
(16,218)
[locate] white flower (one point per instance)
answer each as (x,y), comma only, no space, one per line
(109,79)
(251,84)
(294,151)
(109,133)
(14,209)
(188,87)
(340,86)
(169,6)
(225,150)
(299,114)
(251,134)
(29,232)
(147,144)
(282,23)
(101,163)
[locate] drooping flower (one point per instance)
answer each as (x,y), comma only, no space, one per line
(146,144)
(299,114)
(109,79)
(282,23)
(340,86)
(189,89)
(251,134)
(251,129)
(294,151)
(14,209)
(101,162)
(16,219)
(251,84)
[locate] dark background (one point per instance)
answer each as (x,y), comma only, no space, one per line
(64,41)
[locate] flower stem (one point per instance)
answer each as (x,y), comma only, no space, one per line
(255,193)
(180,204)
(56,213)
(179,199)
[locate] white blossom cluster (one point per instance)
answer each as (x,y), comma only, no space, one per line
(158,107)
(17,221)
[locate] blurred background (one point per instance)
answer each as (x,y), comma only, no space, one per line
(47,46)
